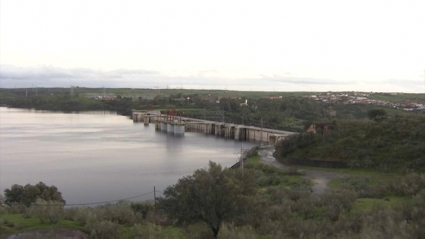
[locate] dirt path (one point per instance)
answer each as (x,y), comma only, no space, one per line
(49,234)
(319,177)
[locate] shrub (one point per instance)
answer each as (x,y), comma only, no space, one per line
(142,207)
(104,229)
(47,212)
(16,209)
(280,212)
(120,212)
(362,186)
(306,207)
(198,230)
(305,185)
(342,199)
(153,231)
(411,184)
(419,198)
(229,231)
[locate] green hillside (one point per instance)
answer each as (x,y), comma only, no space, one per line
(397,143)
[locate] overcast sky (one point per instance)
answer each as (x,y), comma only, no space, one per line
(317,45)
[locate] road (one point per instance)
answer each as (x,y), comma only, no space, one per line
(319,177)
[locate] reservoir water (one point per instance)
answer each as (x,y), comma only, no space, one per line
(93,157)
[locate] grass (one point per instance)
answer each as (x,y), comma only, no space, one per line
(286,179)
(398,97)
(254,160)
(364,204)
(17,223)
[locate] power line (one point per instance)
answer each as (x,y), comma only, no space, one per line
(84,204)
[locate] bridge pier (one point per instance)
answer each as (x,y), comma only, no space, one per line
(163,126)
(178,129)
(170,128)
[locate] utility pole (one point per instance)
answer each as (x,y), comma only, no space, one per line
(154,199)
(261,135)
(204,113)
(222,115)
(242,157)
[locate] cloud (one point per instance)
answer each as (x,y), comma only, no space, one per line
(49,76)
(303,80)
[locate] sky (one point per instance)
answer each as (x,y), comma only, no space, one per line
(303,45)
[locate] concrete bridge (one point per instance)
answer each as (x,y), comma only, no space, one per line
(180,125)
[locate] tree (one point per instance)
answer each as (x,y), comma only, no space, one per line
(210,195)
(29,194)
(375,114)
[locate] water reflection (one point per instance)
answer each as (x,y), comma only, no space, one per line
(98,156)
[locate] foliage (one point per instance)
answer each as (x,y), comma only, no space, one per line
(376,114)
(28,194)
(47,212)
(142,207)
(364,188)
(210,195)
(103,229)
(390,144)
(409,185)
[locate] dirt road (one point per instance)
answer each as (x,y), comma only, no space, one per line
(49,233)
(319,177)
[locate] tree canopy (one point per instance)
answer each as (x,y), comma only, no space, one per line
(375,114)
(210,195)
(392,144)
(29,194)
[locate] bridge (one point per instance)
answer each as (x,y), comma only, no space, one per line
(178,125)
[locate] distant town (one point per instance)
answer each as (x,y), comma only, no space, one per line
(365,98)
(332,98)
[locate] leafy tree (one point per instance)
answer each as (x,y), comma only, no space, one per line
(29,194)
(210,195)
(375,114)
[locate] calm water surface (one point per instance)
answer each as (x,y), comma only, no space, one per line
(94,157)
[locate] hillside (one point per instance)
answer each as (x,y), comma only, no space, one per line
(397,143)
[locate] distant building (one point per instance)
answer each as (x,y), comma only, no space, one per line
(245,104)
(272,97)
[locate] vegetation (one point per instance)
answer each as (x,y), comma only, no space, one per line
(390,144)
(351,209)
(211,196)
(376,114)
(28,194)
(291,112)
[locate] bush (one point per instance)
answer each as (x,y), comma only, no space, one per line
(280,212)
(362,186)
(410,185)
(198,230)
(264,181)
(120,213)
(142,207)
(229,232)
(305,185)
(16,209)
(306,207)
(47,212)
(419,198)
(152,231)
(342,199)
(104,229)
